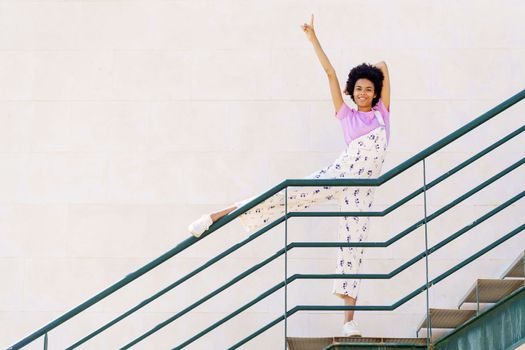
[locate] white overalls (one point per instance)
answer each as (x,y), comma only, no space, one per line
(363,158)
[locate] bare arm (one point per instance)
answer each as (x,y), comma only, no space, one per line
(385,92)
(335,90)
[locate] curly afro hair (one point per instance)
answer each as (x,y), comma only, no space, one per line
(365,71)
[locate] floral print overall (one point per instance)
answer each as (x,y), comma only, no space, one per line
(363,158)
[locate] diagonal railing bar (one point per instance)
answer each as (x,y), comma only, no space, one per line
(417,192)
(457,201)
(454,170)
(259,331)
(177,283)
(339,276)
(385,307)
(287,183)
(233,314)
(105,293)
(356,244)
(281,219)
(205,298)
(433,215)
(423,287)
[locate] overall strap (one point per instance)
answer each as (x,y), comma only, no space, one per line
(379,118)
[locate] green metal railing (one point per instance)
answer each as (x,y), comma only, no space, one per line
(339,244)
(373,307)
(420,157)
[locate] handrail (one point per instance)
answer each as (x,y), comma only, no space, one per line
(353,244)
(385,307)
(281,219)
(287,183)
(292,245)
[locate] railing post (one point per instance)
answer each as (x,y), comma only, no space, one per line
(477,298)
(45,341)
(429,320)
(285,265)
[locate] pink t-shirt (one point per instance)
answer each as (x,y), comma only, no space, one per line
(356,123)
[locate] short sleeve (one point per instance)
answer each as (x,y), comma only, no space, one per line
(343,111)
(381,107)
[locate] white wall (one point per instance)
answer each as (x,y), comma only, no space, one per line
(122,121)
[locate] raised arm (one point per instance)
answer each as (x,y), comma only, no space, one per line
(335,90)
(385,92)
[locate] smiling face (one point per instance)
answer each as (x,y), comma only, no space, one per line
(364,94)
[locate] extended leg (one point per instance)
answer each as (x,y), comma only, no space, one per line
(219,214)
(199,226)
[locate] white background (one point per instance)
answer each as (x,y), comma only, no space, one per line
(123,121)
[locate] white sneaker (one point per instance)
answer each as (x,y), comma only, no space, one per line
(350,329)
(197,227)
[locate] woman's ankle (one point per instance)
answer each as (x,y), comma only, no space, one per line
(219,214)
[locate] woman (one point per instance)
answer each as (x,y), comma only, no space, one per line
(366,132)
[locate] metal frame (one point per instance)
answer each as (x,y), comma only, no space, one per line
(338,244)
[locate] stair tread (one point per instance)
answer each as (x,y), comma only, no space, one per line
(447,318)
(516,269)
(491,290)
(302,343)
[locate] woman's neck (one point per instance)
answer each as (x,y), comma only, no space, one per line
(364,109)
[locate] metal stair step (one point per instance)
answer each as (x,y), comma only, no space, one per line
(447,318)
(298,343)
(491,290)
(516,269)
(308,343)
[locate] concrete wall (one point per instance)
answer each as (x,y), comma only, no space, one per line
(122,121)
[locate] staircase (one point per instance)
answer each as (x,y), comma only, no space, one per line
(484,291)
(501,326)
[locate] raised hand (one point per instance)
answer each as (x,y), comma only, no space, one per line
(308,29)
